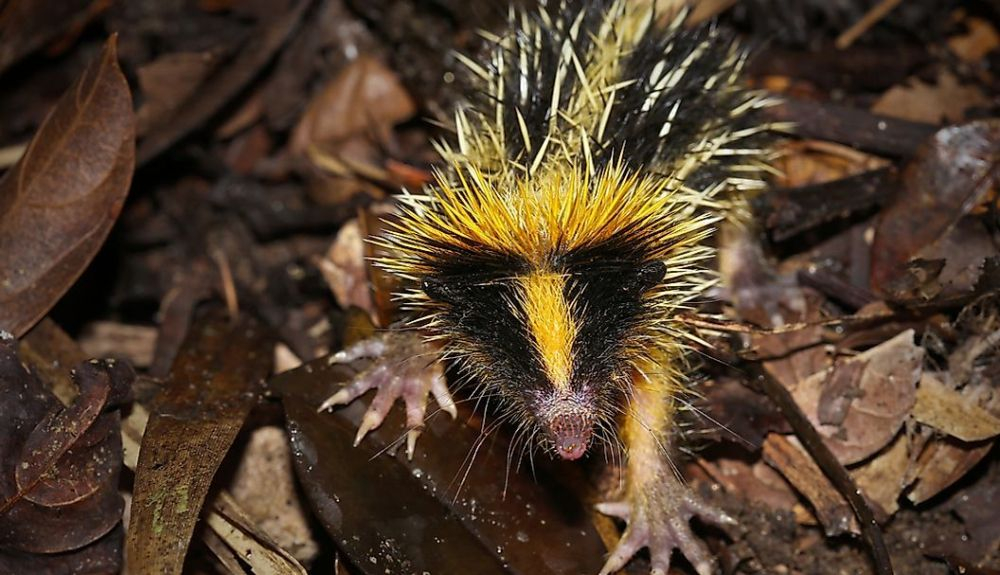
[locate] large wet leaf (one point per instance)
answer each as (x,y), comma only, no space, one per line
(428,515)
(58,203)
(212,386)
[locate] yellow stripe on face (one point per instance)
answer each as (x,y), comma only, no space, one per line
(549,318)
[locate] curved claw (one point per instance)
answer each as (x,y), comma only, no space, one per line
(617,509)
(442,396)
(368,379)
(400,370)
(630,544)
(662,534)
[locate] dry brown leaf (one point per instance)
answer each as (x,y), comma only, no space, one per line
(168,82)
(964,248)
(58,203)
(237,534)
(345,271)
(882,478)
(946,100)
(949,411)
(952,173)
(980,40)
(975,360)
(943,462)
(249,150)
(977,505)
(212,387)
(365,98)
(264,487)
(807,162)
(755,482)
(883,398)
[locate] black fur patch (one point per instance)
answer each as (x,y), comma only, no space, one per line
(700,113)
(535,103)
(605,285)
(476,294)
(607,293)
(608,297)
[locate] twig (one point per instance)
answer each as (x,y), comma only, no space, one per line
(787,212)
(723,325)
(832,468)
(870,18)
(228,285)
(881,135)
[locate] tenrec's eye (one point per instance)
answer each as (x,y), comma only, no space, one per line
(456,291)
(439,290)
(632,279)
(650,275)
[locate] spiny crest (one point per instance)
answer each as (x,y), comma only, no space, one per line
(549,85)
(539,220)
(587,80)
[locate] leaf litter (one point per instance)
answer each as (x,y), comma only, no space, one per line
(271,137)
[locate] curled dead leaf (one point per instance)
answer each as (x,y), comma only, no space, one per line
(345,271)
(59,466)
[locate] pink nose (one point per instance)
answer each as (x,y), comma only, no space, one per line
(571,435)
(571,448)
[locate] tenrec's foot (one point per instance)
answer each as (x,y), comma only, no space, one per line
(662,525)
(404,366)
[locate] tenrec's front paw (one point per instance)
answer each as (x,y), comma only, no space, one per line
(662,524)
(403,367)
